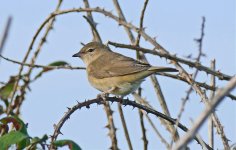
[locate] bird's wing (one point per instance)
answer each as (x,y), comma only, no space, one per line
(115,65)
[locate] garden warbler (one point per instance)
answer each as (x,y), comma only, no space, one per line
(113,73)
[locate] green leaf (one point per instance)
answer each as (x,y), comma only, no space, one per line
(56,63)
(7,89)
(37,140)
(13,137)
(20,126)
(71,144)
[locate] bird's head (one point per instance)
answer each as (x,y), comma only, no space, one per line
(91,52)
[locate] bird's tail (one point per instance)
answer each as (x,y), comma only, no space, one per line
(162,69)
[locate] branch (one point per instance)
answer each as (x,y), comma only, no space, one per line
(5,34)
(220,75)
(204,85)
(220,95)
(32,62)
(141,22)
(140,100)
(144,138)
(107,108)
(42,66)
(124,126)
(190,89)
(124,102)
(210,121)
(198,66)
(111,126)
(143,58)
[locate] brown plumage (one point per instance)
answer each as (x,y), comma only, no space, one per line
(112,72)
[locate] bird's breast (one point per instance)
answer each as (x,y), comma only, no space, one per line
(123,84)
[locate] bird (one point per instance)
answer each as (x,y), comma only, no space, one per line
(114,73)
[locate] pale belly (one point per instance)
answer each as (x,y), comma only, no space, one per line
(122,85)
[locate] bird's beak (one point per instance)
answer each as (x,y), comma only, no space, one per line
(77,54)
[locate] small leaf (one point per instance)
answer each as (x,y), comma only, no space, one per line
(20,126)
(37,140)
(7,89)
(71,144)
(17,123)
(56,63)
(13,137)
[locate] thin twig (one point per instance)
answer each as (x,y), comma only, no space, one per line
(156,131)
(190,89)
(124,126)
(143,58)
(92,23)
(220,95)
(32,62)
(143,102)
(107,108)
(111,126)
(42,66)
(143,129)
(204,85)
(220,75)
(5,34)
(141,22)
(139,56)
(144,137)
(96,36)
(198,66)
(210,121)
(188,77)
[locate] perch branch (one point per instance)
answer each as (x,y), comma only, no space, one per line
(124,102)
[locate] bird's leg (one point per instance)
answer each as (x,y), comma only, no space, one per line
(105,94)
(123,100)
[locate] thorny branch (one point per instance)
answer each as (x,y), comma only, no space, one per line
(198,66)
(204,85)
(26,81)
(107,108)
(129,25)
(125,102)
(220,95)
(142,57)
(190,89)
(159,51)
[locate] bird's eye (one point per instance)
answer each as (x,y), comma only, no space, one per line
(91,50)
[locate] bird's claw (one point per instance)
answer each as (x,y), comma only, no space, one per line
(103,95)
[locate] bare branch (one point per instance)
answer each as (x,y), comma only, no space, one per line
(32,62)
(111,126)
(141,22)
(220,95)
(124,126)
(107,108)
(42,66)
(124,102)
(198,66)
(210,121)
(5,34)
(143,58)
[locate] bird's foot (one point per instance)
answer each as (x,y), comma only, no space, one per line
(103,95)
